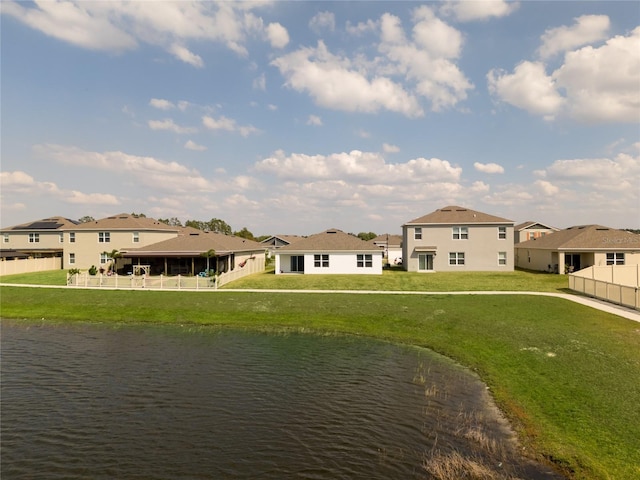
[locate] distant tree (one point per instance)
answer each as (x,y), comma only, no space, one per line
(113,255)
(172,222)
(244,233)
(262,238)
(195,224)
(219,226)
(633,230)
(366,236)
(86,219)
(138,215)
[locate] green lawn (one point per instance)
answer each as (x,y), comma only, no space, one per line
(567,376)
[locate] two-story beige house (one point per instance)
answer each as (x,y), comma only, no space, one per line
(38,239)
(530,230)
(457,239)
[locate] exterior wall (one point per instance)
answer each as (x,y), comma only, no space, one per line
(480,249)
(87,248)
(531,233)
(628,275)
(339,262)
(19,240)
(554,261)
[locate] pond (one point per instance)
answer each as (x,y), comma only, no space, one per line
(105,401)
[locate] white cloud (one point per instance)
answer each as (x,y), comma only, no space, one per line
(116,26)
(168,124)
(184,54)
(278,35)
(260,83)
(388,148)
(323,21)
(74,196)
(529,88)
(587,29)
(547,188)
(599,84)
(314,120)
(357,166)
(488,167)
(229,125)
(473,10)
(333,82)
(191,145)
(161,104)
(361,28)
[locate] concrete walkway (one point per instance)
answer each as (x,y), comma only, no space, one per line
(612,308)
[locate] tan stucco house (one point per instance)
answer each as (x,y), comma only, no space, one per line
(530,230)
(578,247)
(457,239)
(186,254)
(37,239)
(331,251)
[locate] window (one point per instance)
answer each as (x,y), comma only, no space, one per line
(34,237)
(502,233)
(417,234)
(61,237)
(6,238)
(72,237)
(502,258)
(460,233)
(136,237)
(365,260)
(104,237)
(104,258)
(321,260)
(456,258)
(425,261)
(72,258)
(532,235)
(615,258)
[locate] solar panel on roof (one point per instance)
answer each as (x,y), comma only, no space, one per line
(42,226)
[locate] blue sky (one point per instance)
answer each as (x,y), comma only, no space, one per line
(295,117)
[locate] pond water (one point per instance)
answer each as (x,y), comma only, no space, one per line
(155,402)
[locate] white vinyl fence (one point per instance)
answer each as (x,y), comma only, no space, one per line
(615,283)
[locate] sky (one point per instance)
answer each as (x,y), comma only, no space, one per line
(293,117)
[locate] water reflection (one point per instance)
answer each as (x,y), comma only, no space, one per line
(96,401)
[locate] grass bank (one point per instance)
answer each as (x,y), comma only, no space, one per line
(565,374)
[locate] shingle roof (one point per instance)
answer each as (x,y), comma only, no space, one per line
(525,225)
(51,223)
(586,237)
(452,215)
(387,237)
(331,240)
(195,242)
(126,221)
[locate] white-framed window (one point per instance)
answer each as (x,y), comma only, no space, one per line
(104,258)
(460,233)
(72,237)
(615,258)
(502,258)
(365,260)
(5,238)
(61,237)
(136,237)
(72,259)
(104,237)
(456,258)
(417,233)
(532,235)
(34,237)
(502,233)
(321,260)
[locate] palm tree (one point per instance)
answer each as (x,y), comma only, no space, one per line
(211,253)
(113,255)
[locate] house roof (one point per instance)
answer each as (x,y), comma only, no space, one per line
(586,237)
(126,221)
(453,215)
(388,239)
(331,240)
(51,223)
(191,242)
(284,238)
(532,224)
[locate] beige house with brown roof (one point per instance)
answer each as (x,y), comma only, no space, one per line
(578,247)
(331,251)
(530,230)
(457,239)
(186,254)
(41,238)
(391,245)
